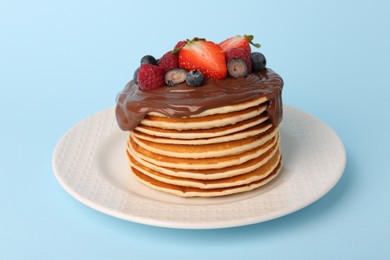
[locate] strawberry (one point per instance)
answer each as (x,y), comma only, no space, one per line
(205,56)
(150,77)
(239,42)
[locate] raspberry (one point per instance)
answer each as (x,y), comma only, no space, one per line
(179,44)
(240,53)
(150,77)
(168,61)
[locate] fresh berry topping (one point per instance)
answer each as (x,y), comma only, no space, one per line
(258,61)
(148,59)
(237,68)
(194,78)
(241,54)
(175,76)
(168,61)
(150,77)
(205,56)
(239,42)
(135,76)
(180,44)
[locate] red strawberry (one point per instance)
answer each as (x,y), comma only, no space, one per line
(150,77)
(168,61)
(239,42)
(205,56)
(241,54)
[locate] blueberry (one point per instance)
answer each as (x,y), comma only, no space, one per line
(194,78)
(175,76)
(148,59)
(237,68)
(258,61)
(135,76)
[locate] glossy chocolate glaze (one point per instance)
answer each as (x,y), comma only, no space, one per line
(182,101)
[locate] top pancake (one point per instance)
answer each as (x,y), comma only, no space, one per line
(224,109)
(205,122)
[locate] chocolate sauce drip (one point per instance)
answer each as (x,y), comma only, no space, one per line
(183,101)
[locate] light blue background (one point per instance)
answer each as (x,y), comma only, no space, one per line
(63,61)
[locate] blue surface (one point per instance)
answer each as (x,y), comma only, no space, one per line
(63,61)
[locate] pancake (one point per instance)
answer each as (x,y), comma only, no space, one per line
(200,133)
(206,122)
(225,109)
(185,191)
(197,164)
(210,174)
(246,178)
(230,147)
(246,132)
(226,151)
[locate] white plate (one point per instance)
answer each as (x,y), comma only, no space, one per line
(91,164)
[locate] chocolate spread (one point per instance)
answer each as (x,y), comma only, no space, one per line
(183,101)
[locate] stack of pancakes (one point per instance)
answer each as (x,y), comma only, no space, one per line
(220,151)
